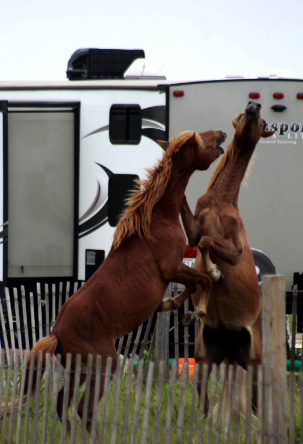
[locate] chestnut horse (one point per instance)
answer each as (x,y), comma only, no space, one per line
(146,255)
(229,330)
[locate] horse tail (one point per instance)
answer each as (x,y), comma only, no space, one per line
(45,345)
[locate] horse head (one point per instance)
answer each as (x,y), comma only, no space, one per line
(250,125)
(200,149)
(211,149)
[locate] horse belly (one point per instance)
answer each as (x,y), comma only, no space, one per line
(134,294)
(135,310)
(236,302)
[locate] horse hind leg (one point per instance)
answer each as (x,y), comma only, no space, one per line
(88,410)
(203,377)
(248,352)
(207,351)
(61,404)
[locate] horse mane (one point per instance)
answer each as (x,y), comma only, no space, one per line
(136,218)
(229,152)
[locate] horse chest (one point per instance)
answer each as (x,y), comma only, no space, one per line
(210,222)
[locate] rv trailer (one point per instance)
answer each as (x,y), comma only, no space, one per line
(71,151)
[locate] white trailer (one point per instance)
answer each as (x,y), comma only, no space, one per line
(70,154)
(71,150)
(271,200)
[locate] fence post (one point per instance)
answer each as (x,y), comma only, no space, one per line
(161,339)
(274,355)
(161,334)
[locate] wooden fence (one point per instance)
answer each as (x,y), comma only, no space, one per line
(144,404)
(26,316)
(153,396)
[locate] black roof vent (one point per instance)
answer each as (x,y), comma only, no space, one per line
(91,63)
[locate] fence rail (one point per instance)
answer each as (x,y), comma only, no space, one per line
(153,396)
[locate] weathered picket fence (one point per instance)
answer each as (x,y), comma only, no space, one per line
(152,398)
(26,317)
(145,404)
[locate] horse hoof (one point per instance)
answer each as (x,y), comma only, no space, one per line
(188,319)
(167,304)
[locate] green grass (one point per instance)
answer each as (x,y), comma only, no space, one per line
(200,424)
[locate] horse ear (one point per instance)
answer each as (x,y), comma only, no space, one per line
(193,137)
(163,143)
(236,120)
(268,133)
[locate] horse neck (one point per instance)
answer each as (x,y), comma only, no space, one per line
(227,185)
(172,199)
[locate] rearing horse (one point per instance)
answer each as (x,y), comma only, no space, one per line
(229,317)
(146,255)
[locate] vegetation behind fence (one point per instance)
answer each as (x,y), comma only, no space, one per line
(152,398)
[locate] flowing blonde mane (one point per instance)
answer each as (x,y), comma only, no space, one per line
(229,152)
(137,215)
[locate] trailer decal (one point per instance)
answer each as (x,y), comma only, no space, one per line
(289,129)
(153,127)
(154,120)
(97,214)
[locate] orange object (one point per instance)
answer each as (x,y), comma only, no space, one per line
(191,367)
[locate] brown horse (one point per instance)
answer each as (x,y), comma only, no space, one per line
(146,255)
(229,330)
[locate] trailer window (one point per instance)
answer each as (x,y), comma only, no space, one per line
(119,187)
(125,124)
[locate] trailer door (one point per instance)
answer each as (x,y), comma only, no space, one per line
(3,178)
(41,192)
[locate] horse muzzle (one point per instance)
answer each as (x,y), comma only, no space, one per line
(253,110)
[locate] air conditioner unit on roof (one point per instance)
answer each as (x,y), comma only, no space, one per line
(90,63)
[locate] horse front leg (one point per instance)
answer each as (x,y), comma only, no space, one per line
(191,227)
(228,250)
(210,268)
(195,282)
(200,307)
(175,303)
